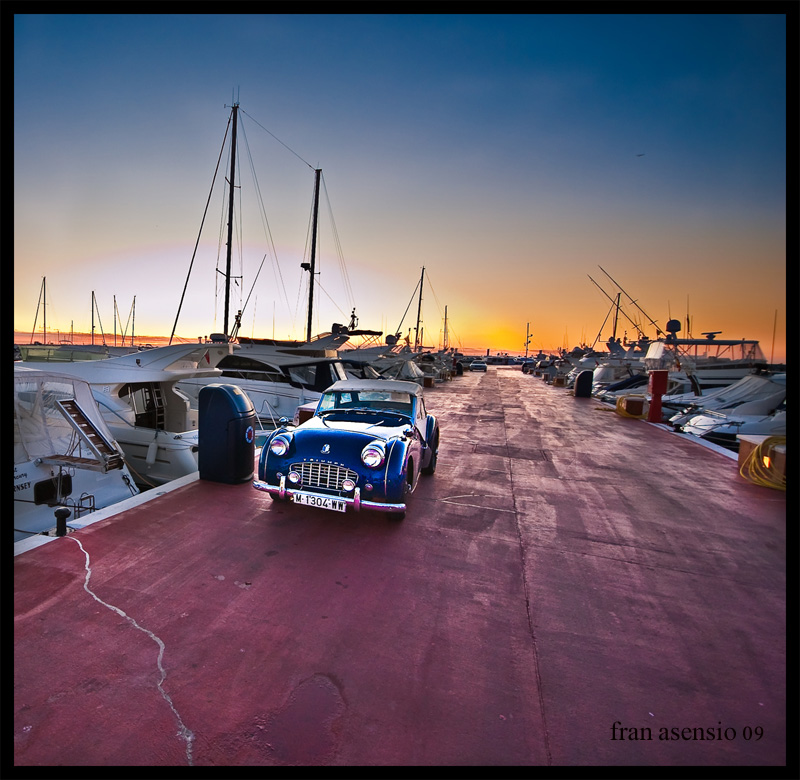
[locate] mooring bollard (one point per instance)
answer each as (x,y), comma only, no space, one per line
(657,388)
(61,520)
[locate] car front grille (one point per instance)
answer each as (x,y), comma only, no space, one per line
(325,476)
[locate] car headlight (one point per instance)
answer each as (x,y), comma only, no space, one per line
(279,446)
(373,455)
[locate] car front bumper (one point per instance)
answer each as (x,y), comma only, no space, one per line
(355,501)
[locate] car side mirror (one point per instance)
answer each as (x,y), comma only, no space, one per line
(408,432)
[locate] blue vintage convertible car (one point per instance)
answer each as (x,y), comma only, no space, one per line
(365,447)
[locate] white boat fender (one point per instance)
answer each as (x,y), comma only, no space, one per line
(151,453)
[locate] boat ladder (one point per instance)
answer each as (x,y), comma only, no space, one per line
(108,456)
(158,401)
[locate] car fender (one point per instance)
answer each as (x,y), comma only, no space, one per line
(395,474)
(431,432)
(264,454)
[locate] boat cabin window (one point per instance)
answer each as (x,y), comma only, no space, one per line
(238,367)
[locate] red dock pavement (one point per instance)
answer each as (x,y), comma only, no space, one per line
(571,588)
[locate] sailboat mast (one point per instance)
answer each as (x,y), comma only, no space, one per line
(38,306)
(235,111)
(527,339)
(616,319)
(417,341)
(312,265)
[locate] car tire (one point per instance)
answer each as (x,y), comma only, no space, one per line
(397,516)
(285,499)
(430,469)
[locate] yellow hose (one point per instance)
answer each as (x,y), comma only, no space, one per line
(754,470)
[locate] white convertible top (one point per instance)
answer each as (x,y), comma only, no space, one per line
(376,385)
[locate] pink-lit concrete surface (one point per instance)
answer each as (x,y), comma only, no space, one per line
(567,573)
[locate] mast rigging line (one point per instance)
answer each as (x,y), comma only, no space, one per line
(339,252)
(442,314)
(659,332)
(614,303)
(278,139)
(234,227)
(200,232)
(438,304)
(239,126)
(337,242)
(265,222)
(330,298)
(238,322)
(263,215)
(397,330)
(239,232)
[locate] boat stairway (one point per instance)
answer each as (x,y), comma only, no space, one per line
(108,457)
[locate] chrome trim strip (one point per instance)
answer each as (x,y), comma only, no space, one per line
(354,501)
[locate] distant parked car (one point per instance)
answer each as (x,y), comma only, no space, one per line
(365,447)
(477,365)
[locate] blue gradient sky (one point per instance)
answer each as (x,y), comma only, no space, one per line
(500,152)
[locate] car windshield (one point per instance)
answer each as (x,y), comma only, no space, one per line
(370,400)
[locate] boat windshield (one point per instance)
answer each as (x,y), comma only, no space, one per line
(317,376)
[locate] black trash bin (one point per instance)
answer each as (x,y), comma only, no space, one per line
(226,434)
(583,384)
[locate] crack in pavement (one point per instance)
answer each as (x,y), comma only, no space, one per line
(183,732)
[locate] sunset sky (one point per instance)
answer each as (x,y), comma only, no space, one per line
(509,155)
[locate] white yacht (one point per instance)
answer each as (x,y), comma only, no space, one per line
(152,421)
(276,379)
(713,362)
(65,456)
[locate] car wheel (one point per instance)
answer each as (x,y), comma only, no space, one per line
(397,516)
(431,467)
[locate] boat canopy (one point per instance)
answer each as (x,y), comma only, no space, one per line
(41,430)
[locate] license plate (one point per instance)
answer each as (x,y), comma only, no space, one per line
(321,502)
